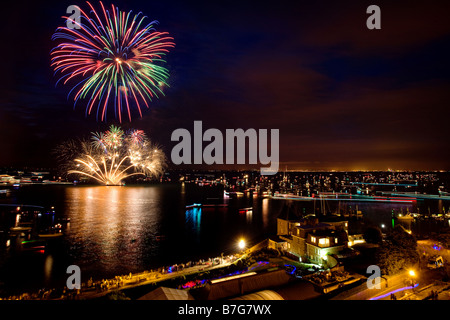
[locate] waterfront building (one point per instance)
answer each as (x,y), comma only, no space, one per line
(310,239)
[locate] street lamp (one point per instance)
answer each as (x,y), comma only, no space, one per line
(412,275)
(241,244)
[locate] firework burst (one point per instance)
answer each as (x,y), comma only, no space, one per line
(112,156)
(113,58)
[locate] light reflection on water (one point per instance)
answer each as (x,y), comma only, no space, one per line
(112,227)
(117,230)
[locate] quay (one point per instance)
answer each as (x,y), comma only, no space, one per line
(98,289)
(144,278)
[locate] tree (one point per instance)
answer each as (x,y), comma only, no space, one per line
(389,259)
(444,239)
(373,234)
(398,252)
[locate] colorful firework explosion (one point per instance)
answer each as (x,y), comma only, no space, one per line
(113,58)
(112,156)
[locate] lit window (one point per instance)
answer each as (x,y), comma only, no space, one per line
(324,241)
(313,239)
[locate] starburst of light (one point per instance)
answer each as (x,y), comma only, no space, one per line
(112,156)
(112,59)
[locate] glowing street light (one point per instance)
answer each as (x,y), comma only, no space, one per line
(413,276)
(241,244)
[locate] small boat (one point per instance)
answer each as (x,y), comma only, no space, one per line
(245,210)
(406,217)
(35,248)
(439,217)
(232,193)
(51,235)
(195,205)
(20,229)
(33,245)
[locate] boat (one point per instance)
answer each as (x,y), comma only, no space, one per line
(33,245)
(245,210)
(19,229)
(54,232)
(51,235)
(439,217)
(233,193)
(416,215)
(195,205)
(405,217)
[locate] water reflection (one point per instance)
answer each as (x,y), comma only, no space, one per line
(194,218)
(48,268)
(265,212)
(249,216)
(112,224)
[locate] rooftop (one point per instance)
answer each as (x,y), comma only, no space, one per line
(319,225)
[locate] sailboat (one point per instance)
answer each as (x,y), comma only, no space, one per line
(405,217)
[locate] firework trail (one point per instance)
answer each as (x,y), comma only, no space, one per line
(112,58)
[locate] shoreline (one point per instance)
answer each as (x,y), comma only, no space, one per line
(96,289)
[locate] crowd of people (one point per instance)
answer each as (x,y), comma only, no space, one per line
(92,287)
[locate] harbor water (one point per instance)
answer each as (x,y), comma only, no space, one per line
(117,230)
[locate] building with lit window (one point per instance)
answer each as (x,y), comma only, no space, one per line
(309,239)
(322,243)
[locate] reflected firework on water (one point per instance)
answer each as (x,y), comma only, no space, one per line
(112,156)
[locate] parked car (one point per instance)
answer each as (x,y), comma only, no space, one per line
(435,262)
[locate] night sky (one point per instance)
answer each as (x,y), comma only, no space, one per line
(343,97)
